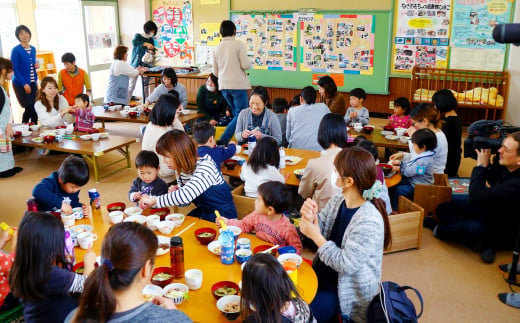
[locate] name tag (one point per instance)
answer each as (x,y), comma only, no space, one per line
(421,170)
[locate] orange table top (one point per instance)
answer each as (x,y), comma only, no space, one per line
(201,305)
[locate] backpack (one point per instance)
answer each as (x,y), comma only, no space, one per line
(392,305)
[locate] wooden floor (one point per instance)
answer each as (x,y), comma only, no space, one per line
(455,284)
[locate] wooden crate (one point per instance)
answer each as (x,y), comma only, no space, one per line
(406,226)
(243,204)
(47,64)
(430,196)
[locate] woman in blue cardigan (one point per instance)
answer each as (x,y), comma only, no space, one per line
(25,77)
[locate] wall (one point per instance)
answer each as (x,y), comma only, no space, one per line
(132,16)
(513,109)
(323,5)
(26,17)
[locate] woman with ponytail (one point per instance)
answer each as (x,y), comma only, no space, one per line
(351,233)
(113,292)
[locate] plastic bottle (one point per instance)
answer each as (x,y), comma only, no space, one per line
(69,249)
(95,201)
(282,158)
(251,144)
(227,247)
(177,257)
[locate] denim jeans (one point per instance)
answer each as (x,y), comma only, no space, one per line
(405,188)
(237,100)
(325,307)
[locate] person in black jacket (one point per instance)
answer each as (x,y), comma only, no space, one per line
(147,182)
(446,103)
(486,221)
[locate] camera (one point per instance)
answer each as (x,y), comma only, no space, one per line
(485,134)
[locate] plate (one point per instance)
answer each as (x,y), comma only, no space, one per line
(212,247)
(162,240)
(26,134)
(391,137)
(85,137)
(103,135)
(386,133)
(292,160)
(77,229)
(37,140)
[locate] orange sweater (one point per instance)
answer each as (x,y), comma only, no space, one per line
(73,84)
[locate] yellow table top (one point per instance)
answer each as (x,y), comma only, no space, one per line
(201,305)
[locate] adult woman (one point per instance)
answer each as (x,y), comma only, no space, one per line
(162,119)
(169,83)
(316,181)
(230,61)
(113,292)
(25,65)
(329,92)
(199,180)
(210,101)
(119,74)
(257,120)
(350,232)
(425,115)
(53,109)
(141,44)
(7,168)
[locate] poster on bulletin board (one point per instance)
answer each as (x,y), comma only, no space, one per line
(421,35)
(335,43)
(174,39)
(472,44)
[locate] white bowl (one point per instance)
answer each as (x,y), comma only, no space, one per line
(151,221)
(138,218)
(149,291)
(165,227)
(115,217)
(124,113)
(26,133)
(236,230)
(85,137)
(358,129)
(227,299)
(404,139)
(391,137)
(400,131)
(182,290)
(95,136)
(290,257)
(214,247)
(185,111)
(35,127)
(162,240)
(176,218)
(103,135)
(133,210)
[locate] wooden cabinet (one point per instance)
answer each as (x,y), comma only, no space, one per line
(47,64)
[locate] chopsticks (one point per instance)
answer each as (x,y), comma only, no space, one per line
(182,231)
(273,247)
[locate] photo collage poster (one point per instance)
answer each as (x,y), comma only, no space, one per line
(421,35)
(174,19)
(271,40)
(472,26)
(209,40)
(334,43)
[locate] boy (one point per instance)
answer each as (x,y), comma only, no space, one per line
(204,135)
(357,113)
(71,79)
(61,189)
(84,116)
(416,168)
(147,182)
(280,107)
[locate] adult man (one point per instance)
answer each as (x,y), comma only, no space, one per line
(72,79)
(487,221)
(303,121)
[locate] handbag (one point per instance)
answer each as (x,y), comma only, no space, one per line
(392,305)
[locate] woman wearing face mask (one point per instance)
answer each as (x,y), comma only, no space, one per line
(351,233)
(210,101)
(142,43)
(257,120)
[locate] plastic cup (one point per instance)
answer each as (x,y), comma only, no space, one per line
(193,278)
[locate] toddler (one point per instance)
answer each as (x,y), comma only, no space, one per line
(267,220)
(147,182)
(84,116)
(280,107)
(401,116)
(7,300)
(357,113)
(204,135)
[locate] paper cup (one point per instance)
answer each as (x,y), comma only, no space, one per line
(193,278)
(68,219)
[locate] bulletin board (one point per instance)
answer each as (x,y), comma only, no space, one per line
(280,48)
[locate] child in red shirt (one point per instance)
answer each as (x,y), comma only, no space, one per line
(401,116)
(267,220)
(6,261)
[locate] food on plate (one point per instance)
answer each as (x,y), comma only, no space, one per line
(223,291)
(232,307)
(175,292)
(162,277)
(205,235)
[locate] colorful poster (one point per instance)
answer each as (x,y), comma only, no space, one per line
(472,27)
(175,32)
(210,34)
(335,43)
(421,35)
(271,40)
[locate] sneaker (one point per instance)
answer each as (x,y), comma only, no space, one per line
(488,256)
(43,152)
(507,267)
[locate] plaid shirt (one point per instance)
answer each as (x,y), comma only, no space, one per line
(84,119)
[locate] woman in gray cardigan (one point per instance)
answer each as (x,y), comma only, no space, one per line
(350,232)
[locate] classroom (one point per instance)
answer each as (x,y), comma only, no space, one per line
(137,129)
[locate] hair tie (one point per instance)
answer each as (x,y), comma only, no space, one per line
(109,264)
(373,192)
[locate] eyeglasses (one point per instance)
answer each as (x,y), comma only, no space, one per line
(415,122)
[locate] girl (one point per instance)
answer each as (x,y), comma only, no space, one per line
(350,232)
(210,101)
(400,118)
(84,116)
(38,276)
(7,168)
(257,120)
(199,180)
(169,82)
(268,290)
(423,116)
(114,290)
(262,166)
(267,220)
(7,300)
(53,109)
(332,98)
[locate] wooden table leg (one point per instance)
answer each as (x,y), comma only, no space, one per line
(94,162)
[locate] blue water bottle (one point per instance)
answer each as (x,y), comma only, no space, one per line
(95,201)
(251,144)
(227,247)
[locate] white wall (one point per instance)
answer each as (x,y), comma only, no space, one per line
(513,104)
(132,16)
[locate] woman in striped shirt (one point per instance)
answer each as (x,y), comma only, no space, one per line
(199,180)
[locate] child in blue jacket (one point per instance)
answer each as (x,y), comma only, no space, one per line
(204,135)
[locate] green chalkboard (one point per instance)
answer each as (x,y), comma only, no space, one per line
(376,83)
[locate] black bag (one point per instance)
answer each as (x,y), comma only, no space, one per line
(392,305)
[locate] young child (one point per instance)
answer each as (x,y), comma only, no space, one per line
(280,107)
(84,116)
(267,288)
(401,116)
(147,182)
(72,79)
(38,276)
(7,300)
(357,113)
(54,192)
(267,220)
(204,135)
(418,169)
(169,82)
(262,166)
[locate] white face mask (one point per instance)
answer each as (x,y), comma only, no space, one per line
(333,180)
(211,88)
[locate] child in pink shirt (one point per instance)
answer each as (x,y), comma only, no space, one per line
(400,118)
(267,220)
(84,115)
(6,261)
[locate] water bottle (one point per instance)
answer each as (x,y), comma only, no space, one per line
(282,158)
(95,201)
(227,247)
(251,144)
(177,257)
(69,249)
